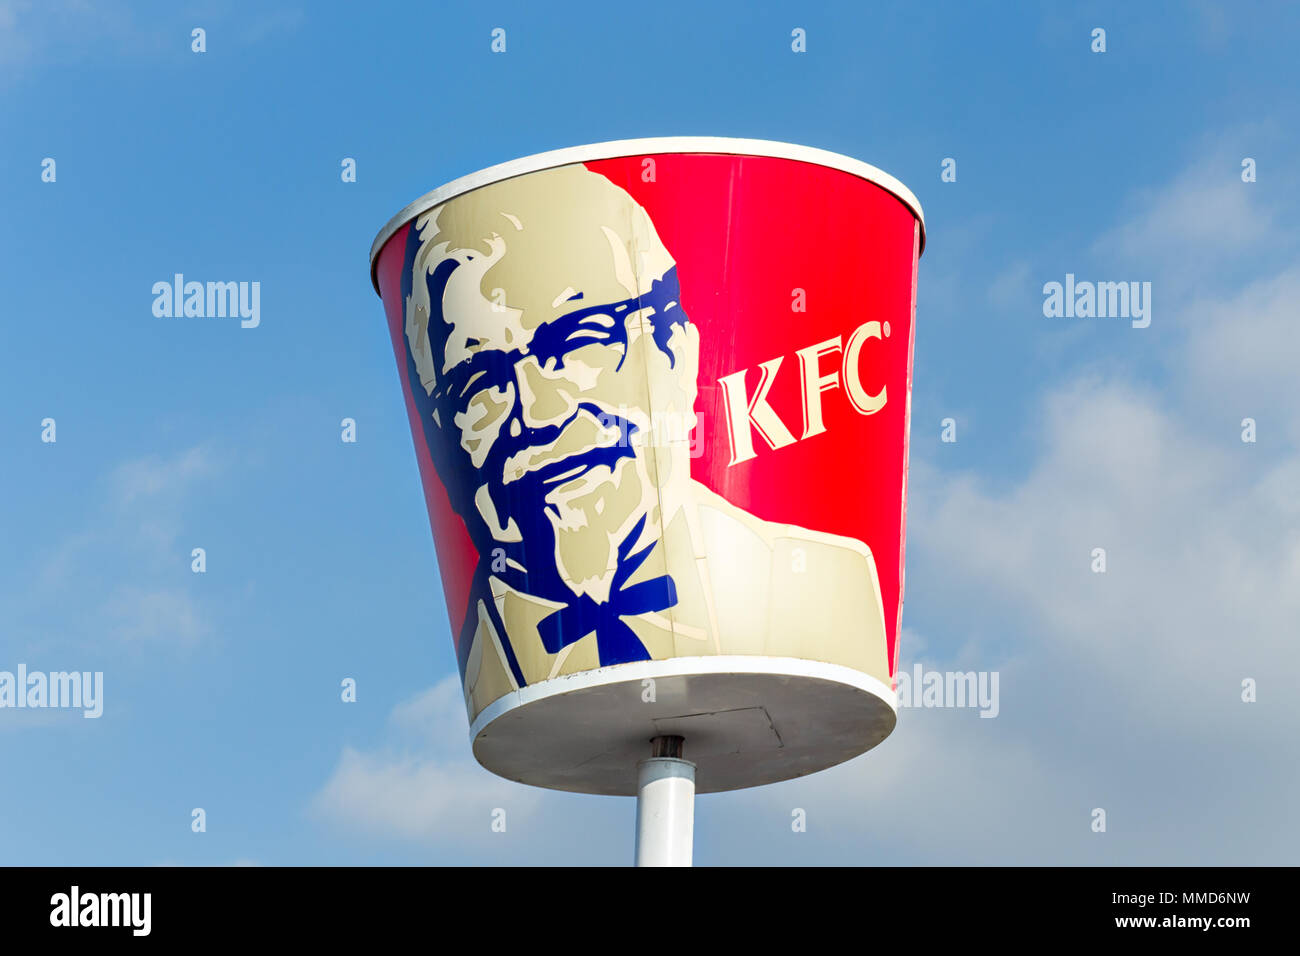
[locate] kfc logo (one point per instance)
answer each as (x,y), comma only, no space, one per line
(745,413)
(543,335)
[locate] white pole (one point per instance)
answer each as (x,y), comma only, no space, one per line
(665,807)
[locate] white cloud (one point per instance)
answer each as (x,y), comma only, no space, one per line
(271,23)
(1012,287)
(1200,546)
(122,560)
(166,615)
(418,798)
(1207,211)
(161,476)
(1243,356)
(422,784)
(15,41)
(55,32)
(431,712)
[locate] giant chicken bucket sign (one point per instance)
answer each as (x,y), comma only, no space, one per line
(659,392)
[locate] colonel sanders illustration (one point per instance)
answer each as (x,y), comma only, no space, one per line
(547,344)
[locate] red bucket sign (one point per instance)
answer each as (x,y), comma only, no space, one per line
(659,392)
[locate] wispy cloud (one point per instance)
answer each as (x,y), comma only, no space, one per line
(48,33)
(122,564)
(1242,355)
(57,32)
(1013,286)
(159,476)
(421,783)
(139,615)
(1205,230)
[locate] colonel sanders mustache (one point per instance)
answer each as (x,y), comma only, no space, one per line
(525,467)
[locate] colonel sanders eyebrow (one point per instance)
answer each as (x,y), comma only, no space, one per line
(553,339)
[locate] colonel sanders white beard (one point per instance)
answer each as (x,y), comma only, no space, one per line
(593,513)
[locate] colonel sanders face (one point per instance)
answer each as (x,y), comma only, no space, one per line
(539,317)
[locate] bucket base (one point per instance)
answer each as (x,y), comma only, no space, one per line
(747,721)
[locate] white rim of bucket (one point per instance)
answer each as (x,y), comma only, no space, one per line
(635,671)
(644,147)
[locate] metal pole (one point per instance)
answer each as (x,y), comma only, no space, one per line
(665,806)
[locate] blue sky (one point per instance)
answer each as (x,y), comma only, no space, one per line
(1120,691)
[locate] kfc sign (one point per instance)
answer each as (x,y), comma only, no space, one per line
(745,412)
(546,320)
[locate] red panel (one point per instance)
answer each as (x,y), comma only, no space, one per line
(456,553)
(746,231)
